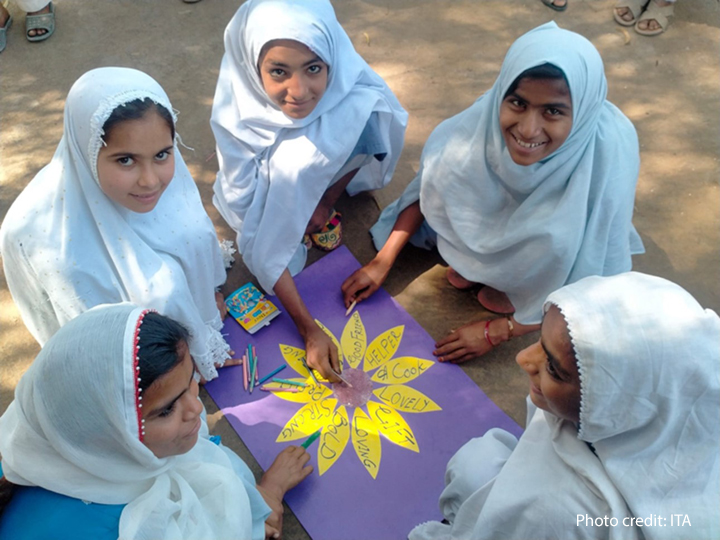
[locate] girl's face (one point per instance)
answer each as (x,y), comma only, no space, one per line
(551,365)
(137,163)
(171,410)
(536,118)
(293,76)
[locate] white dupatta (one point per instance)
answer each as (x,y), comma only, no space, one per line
(67,247)
(73,429)
(274,169)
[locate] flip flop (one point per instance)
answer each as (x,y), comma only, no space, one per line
(636,7)
(330,236)
(549,3)
(42,21)
(657,13)
(495,301)
(3,33)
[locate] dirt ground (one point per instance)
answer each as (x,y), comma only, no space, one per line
(438,56)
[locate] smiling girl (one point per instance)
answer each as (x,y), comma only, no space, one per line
(116,217)
(299,117)
(529,189)
(622,424)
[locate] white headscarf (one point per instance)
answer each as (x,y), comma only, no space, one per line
(529,230)
(649,364)
(649,361)
(67,247)
(274,169)
(73,428)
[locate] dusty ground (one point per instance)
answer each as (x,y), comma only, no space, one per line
(438,56)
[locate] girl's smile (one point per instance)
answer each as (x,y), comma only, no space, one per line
(535,119)
(137,163)
(294,77)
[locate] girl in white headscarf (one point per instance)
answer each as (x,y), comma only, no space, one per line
(298,117)
(529,189)
(114,217)
(626,381)
(102,442)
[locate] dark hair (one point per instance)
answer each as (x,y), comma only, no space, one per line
(162,347)
(135,110)
(543,71)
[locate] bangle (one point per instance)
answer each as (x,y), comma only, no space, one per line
(511,327)
(487,332)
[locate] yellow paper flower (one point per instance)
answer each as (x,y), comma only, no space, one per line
(381,417)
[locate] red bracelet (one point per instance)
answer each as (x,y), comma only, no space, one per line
(487,332)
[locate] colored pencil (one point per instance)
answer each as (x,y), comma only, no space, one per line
(314,378)
(272,373)
(273,389)
(311,439)
(286,381)
(245,372)
(352,306)
(255,367)
(343,379)
(251,371)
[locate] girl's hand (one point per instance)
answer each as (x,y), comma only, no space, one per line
(321,353)
(287,471)
(364,282)
(319,218)
(229,362)
(222,307)
(463,344)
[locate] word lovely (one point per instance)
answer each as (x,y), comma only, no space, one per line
(653,520)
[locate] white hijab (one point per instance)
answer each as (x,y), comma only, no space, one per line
(649,365)
(73,428)
(274,169)
(529,230)
(67,247)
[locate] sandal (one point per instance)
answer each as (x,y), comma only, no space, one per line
(330,236)
(41,21)
(551,5)
(658,14)
(636,7)
(495,301)
(3,33)
(456,280)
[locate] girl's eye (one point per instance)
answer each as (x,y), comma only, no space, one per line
(554,112)
(277,72)
(125,161)
(162,156)
(551,370)
(315,69)
(167,412)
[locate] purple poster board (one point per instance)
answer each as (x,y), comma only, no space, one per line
(346,503)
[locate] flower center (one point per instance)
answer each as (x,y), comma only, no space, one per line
(359,393)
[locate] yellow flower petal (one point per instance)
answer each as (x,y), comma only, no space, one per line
(354,340)
(366,440)
(393,426)
(402,370)
(294,358)
(383,348)
(333,440)
(404,398)
(308,420)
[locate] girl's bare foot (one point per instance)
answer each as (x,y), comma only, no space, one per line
(495,301)
(456,280)
(4,15)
